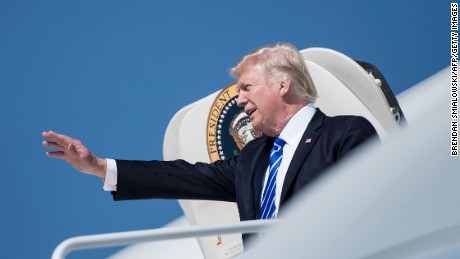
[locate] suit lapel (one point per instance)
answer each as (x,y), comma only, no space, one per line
(307,142)
(259,171)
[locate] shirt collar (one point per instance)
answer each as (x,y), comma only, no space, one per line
(296,126)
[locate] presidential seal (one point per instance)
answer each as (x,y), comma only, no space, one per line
(229,128)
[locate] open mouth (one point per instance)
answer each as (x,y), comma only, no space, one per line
(250,112)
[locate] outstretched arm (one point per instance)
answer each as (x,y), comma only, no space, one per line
(75,153)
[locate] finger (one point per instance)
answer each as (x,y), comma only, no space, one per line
(57,137)
(54,145)
(51,135)
(60,138)
(56,154)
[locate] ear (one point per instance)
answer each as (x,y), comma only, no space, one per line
(285,86)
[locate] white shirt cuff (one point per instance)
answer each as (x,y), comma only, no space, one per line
(110,182)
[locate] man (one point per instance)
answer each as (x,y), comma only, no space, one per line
(299,143)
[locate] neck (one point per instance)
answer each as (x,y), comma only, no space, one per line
(283,117)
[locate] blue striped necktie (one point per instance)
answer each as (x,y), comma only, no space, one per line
(267,208)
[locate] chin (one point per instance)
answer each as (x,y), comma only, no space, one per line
(255,125)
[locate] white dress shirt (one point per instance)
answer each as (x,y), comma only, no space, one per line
(291,134)
(110,182)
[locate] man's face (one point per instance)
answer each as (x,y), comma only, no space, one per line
(258,98)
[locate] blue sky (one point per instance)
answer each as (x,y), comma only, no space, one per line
(113,73)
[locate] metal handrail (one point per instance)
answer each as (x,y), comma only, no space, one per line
(130,237)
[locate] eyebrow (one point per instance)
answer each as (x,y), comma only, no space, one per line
(247,82)
(242,86)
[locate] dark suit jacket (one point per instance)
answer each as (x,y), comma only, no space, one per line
(240,179)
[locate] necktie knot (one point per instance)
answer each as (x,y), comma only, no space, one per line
(277,150)
(279,142)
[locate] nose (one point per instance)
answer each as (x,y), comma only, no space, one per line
(241,101)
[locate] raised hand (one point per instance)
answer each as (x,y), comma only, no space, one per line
(75,153)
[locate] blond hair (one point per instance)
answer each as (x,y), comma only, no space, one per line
(277,62)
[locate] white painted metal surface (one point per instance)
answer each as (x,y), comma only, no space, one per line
(130,237)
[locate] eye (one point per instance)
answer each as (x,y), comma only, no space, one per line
(245,88)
